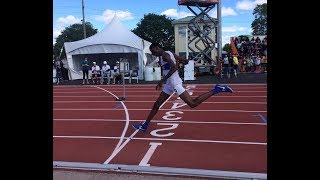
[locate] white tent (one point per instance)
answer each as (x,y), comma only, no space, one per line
(112,43)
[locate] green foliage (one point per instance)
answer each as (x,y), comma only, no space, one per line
(71,33)
(227,48)
(259,24)
(156,28)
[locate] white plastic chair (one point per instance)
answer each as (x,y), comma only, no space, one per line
(127,75)
(134,75)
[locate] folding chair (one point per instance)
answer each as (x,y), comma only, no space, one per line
(127,75)
(134,75)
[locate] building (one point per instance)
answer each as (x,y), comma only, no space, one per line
(180,26)
(180,33)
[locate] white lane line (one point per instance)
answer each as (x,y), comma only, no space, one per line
(218,96)
(153,102)
(127,119)
(141,85)
(204,141)
(127,141)
(190,110)
(152,88)
(114,153)
(165,101)
(163,139)
(163,121)
(127,91)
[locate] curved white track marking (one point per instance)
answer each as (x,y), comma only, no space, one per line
(114,153)
(129,138)
(127,119)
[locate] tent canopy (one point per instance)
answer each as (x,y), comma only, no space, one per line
(112,43)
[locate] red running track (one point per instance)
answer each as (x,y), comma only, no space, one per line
(227,132)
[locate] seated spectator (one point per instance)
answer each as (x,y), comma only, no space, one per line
(95,73)
(105,72)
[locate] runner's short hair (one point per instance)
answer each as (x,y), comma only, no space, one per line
(153,45)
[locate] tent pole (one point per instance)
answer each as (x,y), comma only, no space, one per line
(83,22)
(122,70)
(124,87)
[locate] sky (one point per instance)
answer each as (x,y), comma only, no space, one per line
(236,15)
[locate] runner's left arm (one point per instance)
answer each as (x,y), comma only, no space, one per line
(173,68)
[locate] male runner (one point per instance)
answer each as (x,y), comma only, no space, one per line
(173,83)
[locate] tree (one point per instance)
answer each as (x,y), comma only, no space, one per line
(156,28)
(227,48)
(71,33)
(259,24)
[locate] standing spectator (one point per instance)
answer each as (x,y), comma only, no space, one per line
(257,63)
(235,64)
(254,64)
(230,64)
(85,70)
(245,63)
(241,64)
(250,64)
(225,66)
(58,70)
(64,72)
(116,73)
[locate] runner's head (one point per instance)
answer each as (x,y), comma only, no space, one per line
(156,49)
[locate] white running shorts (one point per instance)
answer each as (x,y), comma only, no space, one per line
(168,89)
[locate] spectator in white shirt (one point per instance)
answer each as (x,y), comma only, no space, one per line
(95,73)
(105,72)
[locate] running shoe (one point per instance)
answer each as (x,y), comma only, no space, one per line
(141,127)
(221,88)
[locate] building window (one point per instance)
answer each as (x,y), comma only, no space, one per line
(182,31)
